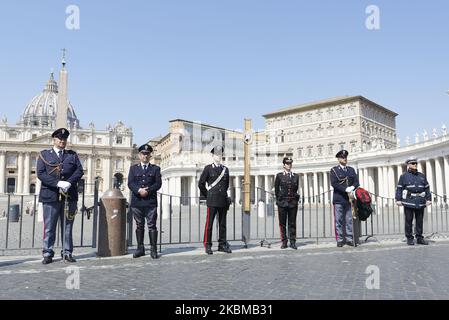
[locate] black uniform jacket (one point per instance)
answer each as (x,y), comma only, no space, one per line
(218,195)
(51,170)
(286,189)
(151,179)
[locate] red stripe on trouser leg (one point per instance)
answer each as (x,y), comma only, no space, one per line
(206,233)
(283,238)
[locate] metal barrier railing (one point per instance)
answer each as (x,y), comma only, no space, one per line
(21,221)
(181,220)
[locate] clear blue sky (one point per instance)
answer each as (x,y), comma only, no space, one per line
(146,62)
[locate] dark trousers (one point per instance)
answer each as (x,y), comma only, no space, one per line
(140,213)
(211,213)
(419,218)
(287,214)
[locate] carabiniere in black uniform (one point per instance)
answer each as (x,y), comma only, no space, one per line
(217,201)
(286,189)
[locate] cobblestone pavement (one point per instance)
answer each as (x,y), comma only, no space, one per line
(312,272)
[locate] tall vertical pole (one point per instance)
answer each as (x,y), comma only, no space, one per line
(246,227)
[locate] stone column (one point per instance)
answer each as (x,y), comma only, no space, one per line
(380,181)
(2,172)
(315,187)
(27,172)
(20,174)
(361,177)
(386,182)
(366,178)
(237,189)
(106,173)
(439,177)
(267,187)
(391,182)
(166,184)
(326,187)
(321,177)
(429,175)
(257,192)
(306,188)
(194,191)
(371,185)
(446,174)
(399,172)
(90,175)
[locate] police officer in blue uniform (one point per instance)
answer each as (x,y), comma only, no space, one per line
(144,180)
(286,189)
(413,192)
(216,193)
(59,171)
(344,180)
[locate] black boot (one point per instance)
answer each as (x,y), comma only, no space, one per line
(153,243)
(140,252)
(284,244)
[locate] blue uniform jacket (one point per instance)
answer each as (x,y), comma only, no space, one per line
(150,178)
(413,182)
(70,169)
(340,180)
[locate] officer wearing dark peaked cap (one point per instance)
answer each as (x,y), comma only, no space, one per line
(286,186)
(344,180)
(413,192)
(216,176)
(59,171)
(144,180)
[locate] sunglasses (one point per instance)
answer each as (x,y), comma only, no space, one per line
(413,163)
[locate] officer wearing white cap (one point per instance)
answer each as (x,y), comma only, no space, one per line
(144,180)
(216,176)
(286,186)
(413,192)
(59,171)
(344,180)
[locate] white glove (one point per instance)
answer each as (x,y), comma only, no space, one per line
(350,189)
(64,185)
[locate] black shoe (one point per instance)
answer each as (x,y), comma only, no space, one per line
(225,248)
(68,258)
(293,245)
(410,242)
(284,245)
(47,260)
(140,252)
(209,250)
(349,243)
(422,241)
(340,244)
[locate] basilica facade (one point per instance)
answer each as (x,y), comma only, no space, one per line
(105,154)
